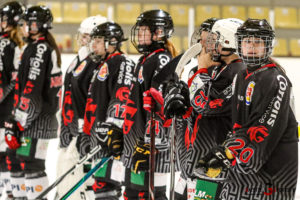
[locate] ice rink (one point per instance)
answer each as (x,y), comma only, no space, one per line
(291,66)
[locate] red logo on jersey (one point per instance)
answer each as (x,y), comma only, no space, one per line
(1,93)
(258,133)
(122,94)
(200,100)
(98,185)
(89,117)
(67,115)
(216,103)
(129,113)
(28,88)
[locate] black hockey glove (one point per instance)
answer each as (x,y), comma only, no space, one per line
(214,162)
(83,144)
(115,140)
(12,134)
(140,158)
(176,99)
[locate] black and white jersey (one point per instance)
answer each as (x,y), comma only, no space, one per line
(265,137)
(137,120)
(107,95)
(9,60)
(211,99)
(76,84)
(37,90)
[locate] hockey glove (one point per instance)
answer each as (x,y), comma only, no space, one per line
(153,101)
(140,158)
(12,134)
(176,99)
(83,144)
(214,162)
(115,140)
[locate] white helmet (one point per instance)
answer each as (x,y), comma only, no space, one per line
(223,33)
(89,23)
(226,29)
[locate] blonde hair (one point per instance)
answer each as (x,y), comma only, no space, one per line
(171,48)
(15,35)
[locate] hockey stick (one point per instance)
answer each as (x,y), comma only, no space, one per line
(172,164)
(87,176)
(152,157)
(72,169)
(192,52)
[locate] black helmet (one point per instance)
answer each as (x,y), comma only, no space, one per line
(258,28)
(109,30)
(205,26)
(11,12)
(41,15)
(154,19)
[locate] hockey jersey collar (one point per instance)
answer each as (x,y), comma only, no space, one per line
(262,68)
(151,54)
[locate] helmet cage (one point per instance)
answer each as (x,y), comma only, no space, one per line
(159,23)
(253,60)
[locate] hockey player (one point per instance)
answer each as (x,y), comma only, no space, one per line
(210,86)
(76,83)
(11,44)
(37,89)
(262,153)
(150,37)
(107,95)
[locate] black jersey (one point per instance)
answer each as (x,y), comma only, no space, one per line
(9,61)
(137,120)
(265,137)
(211,99)
(37,90)
(107,94)
(76,84)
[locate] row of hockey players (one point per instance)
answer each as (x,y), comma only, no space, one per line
(107,101)
(238,112)
(30,85)
(223,128)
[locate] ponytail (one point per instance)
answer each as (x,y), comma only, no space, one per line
(51,41)
(277,64)
(171,48)
(15,35)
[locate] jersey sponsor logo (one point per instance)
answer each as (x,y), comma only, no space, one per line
(249,92)
(36,62)
(122,94)
(126,72)
(80,68)
(103,72)
(267,113)
(72,65)
(276,106)
(140,75)
(3,43)
(258,133)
